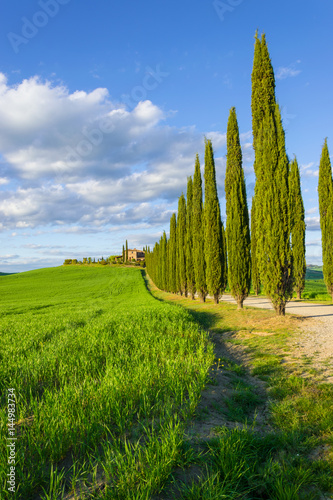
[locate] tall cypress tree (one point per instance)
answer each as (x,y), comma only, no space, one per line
(123,254)
(272,211)
(273,250)
(198,234)
(189,240)
(237,227)
(126,252)
(214,250)
(163,261)
(181,246)
(262,103)
(172,255)
(325,193)
(225,269)
(297,228)
(255,270)
(263,86)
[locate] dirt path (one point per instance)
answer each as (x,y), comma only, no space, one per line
(307,309)
(315,341)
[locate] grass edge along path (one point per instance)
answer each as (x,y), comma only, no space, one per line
(275,437)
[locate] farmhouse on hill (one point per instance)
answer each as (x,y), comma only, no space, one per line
(133,255)
(136,254)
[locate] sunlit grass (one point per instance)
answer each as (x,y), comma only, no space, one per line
(293,459)
(95,361)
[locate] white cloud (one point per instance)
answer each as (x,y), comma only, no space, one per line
(78,162)
(288,71)
(312,223)
(307,170)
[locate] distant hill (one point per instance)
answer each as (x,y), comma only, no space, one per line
(314,273)
(314,267)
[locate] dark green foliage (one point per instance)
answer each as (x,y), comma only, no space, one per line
(237,227)
(297,228)
(198,234)
(126,252)
(225,270)
(263,85)
(189,240)
(181,246)
(172,255)
(272,225)
(123,253)
(163,262)
(255,270)
(325,192)
(213,240)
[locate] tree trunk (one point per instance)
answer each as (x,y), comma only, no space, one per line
(280,309)
(240,301)
(216,298)
(299,294)
(192,296)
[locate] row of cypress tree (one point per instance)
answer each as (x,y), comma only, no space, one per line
(200,257)
(193,259)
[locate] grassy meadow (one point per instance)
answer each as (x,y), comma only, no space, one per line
(127,392)
(315,288)
(105,376)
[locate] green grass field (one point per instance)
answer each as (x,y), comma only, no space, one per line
(110,381)
(105,377)
(315,288)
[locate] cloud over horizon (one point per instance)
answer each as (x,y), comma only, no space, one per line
(79,158)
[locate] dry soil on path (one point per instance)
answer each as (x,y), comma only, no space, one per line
(315,339)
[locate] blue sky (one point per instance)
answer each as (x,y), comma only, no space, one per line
(103,106)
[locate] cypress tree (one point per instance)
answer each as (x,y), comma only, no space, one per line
(157,267)
(163,261)
(297,228)
(255,270)
(272,225)
(172,255)
(213,240)
(262,103)
(198,234)
(189,240)
(325,193)
(263,86)
(123,253)
(126,252)
(237,227)
(225,269)
(181,246)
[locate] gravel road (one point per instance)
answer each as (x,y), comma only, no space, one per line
(316,338)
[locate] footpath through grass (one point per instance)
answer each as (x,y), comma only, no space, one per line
(105,378)
(264,427)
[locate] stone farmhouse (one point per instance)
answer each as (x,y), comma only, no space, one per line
(136,254)
(133,255)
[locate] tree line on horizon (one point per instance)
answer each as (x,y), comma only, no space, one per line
(201,257)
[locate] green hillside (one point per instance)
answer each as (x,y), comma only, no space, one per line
(313,273)
(315,288)
(105,377)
